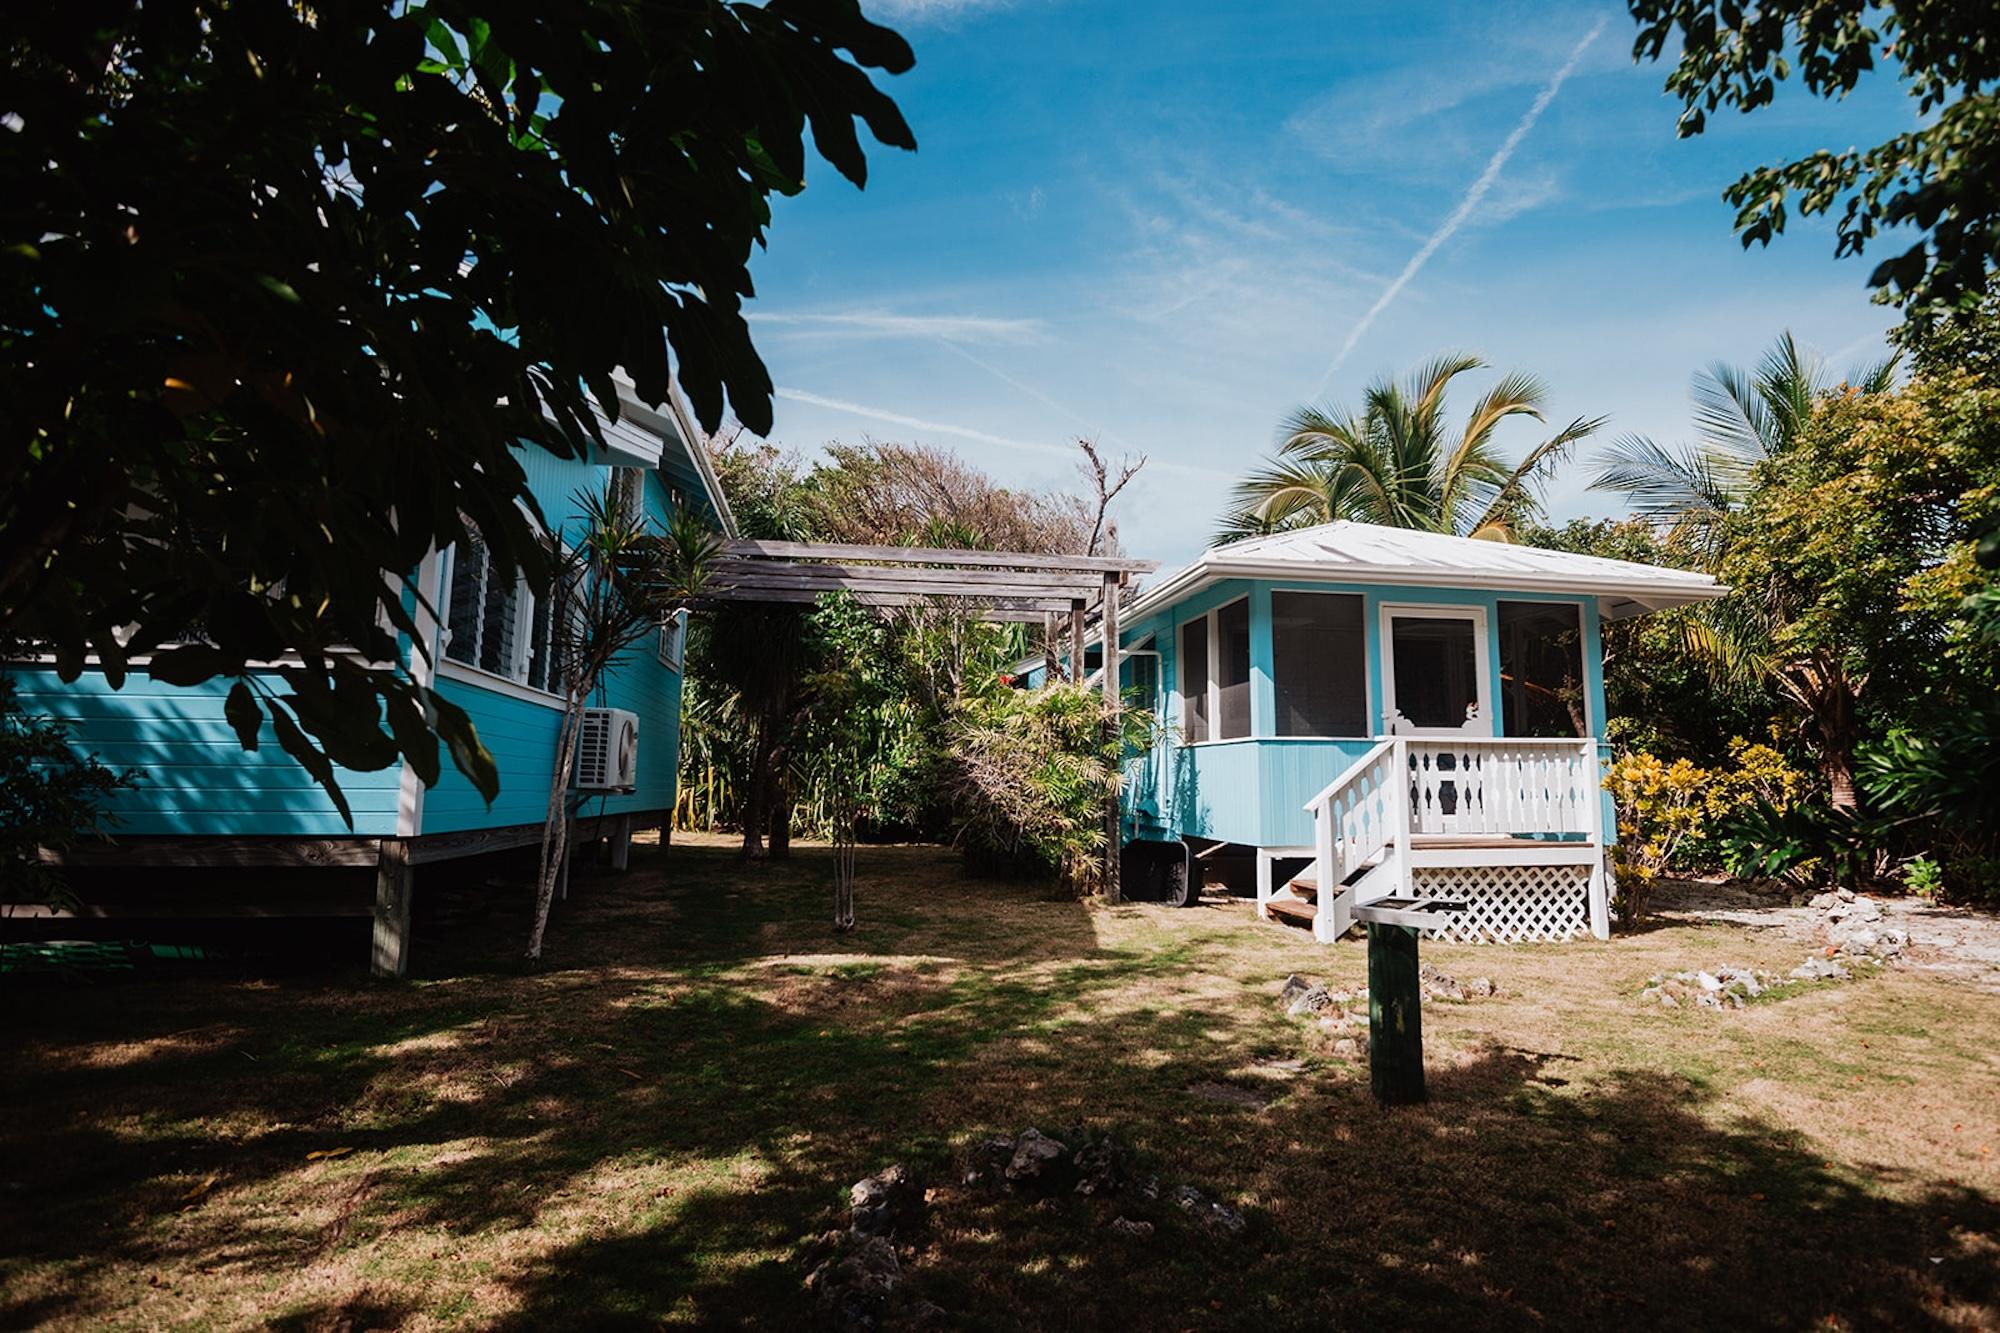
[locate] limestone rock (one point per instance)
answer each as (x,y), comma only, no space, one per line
(885,1203)
(1126,1226)
(1211,1213)
(853,1287)
(1040,1164)
(1295,986)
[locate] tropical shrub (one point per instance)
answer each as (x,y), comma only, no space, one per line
(50,796)
(1668,812)
(1809,843)
(1032,773)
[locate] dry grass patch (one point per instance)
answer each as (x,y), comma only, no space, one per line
(647,1130)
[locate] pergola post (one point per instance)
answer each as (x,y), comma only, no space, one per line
(1051,666)
(1112,820)
(1076,671)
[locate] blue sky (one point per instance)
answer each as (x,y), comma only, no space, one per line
(1163,224)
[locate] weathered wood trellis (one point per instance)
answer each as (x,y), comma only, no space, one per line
(995,585)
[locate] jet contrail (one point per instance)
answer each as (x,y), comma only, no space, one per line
(1466,205)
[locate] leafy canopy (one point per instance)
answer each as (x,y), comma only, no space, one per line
(281,286)
(1941,180)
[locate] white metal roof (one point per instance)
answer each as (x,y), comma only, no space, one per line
(1347,552)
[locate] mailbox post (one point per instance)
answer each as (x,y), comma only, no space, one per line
(1395,995)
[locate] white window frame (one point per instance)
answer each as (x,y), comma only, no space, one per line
(1214,691)
(514,681)
(673,642)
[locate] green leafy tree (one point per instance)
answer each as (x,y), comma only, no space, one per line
(282,286)
(1940,180)
(1848,561)
(1400,461)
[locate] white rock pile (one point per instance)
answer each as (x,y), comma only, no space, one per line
(1724,988)
(1852,923)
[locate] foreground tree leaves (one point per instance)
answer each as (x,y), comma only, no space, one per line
(281,287)
(1937,184)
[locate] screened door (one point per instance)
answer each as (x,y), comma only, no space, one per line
(1435,680)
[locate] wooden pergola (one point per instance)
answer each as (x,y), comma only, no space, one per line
(995,585)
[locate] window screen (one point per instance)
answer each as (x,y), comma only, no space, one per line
(1541,669)
(1319,664)
(1232,658)
(1193,666)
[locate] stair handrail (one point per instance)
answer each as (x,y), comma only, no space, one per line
(1337,851)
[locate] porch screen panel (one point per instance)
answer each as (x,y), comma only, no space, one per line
(1193,668)
(1437,669)
(1319,664)
(1541,669)
(1232,660)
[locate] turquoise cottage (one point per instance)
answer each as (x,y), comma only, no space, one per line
(1423,714)
(203,801)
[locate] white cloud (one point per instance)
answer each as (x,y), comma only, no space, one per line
(918,423)
(926,11)
(884,324)
(1466,206)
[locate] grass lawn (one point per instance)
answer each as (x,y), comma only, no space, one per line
(649,1129)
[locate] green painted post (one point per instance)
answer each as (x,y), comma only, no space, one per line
(1395,1016)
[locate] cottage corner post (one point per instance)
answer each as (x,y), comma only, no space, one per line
(389,954)
(1112,813)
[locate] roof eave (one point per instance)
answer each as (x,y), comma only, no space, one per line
(1640,598)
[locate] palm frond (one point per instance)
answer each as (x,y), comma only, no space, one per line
(1730,414)
(1876,376)
(1662,483)
(1517,496)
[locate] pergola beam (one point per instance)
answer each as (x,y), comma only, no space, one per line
(927,555)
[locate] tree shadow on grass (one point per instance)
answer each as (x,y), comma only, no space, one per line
(713,1033)
(1515,1198)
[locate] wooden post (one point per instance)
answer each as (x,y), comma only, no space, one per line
(1113,820)
(1076,671)
(621,843)
(390,954)
(1395,1016)
(1051,664)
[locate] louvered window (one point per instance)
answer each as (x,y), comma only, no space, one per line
(494,622)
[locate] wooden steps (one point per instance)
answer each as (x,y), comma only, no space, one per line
(1298,911)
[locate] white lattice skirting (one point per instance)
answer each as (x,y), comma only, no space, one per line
(1511,904)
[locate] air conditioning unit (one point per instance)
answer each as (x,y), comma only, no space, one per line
(608,750)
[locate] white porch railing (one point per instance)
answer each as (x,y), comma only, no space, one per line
(1497,785)
(1482,788)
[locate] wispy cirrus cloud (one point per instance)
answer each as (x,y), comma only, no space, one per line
(928,11)
(1467,205)
(918,423)
(886,324)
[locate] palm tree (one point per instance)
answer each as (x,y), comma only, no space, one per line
(1741,419)
(1398,462)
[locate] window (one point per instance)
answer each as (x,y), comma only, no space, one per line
(1194,681)
(629,485)
(1541,669)
(1232,681)
(673,640)
(1319,664)
(495,624)
(1215,675)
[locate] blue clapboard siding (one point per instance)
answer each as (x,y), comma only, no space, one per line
(1253,790)
(522,733)
(194,778)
